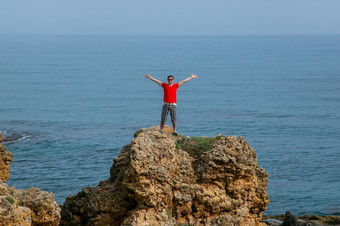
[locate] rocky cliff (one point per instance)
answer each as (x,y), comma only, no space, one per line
(24,207)
(161,179)
(5,160)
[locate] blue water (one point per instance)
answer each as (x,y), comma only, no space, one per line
(76,100)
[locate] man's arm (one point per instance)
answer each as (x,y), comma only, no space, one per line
(186,80)
(153,79)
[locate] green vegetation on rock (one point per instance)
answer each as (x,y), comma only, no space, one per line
(9,199)
(168,213)
(195,146)
(138,132)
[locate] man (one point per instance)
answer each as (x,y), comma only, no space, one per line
(170,100)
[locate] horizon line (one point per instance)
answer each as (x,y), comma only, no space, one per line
(169,35)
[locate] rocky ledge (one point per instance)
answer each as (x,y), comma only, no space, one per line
(161,179)
(24,207)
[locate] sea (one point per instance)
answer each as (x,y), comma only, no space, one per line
(72,102)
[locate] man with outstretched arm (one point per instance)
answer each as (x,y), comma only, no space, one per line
(170,100)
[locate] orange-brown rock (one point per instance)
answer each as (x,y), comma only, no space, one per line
(10,212)
(154,183)
(5,160)
(27,207)
(45,211)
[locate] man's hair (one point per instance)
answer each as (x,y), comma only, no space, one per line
(171,76)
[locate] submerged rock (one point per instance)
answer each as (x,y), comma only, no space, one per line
(11,137)
(157,180)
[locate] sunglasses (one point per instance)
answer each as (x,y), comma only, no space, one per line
(170,79)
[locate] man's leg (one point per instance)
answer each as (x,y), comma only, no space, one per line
(161,126)
(173,117)
(165,111)
(174,126)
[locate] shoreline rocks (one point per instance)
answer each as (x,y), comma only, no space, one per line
(153,182)
(27,207)
(289,219)
(24,207)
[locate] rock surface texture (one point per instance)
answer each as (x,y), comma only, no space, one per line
(24,207)
(153,182)
(5,160)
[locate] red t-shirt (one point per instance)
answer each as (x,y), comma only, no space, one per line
(170,93)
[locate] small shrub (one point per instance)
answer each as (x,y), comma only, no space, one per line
(168,212)
(195,146)
(9,199)
(138,132)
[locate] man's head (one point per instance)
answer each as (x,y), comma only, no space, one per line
(170,79)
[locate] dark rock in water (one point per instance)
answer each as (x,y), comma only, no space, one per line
(305,220)
(290,220)
(272,222)
(12,137)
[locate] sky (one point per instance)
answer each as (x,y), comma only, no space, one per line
(170,17)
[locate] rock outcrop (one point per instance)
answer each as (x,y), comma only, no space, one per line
(24,207)
(161,179)
(5,160)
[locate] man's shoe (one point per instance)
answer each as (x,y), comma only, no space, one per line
(175,133)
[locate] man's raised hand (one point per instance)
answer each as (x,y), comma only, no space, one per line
(193,76)
(147,76)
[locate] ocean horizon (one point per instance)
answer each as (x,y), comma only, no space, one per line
(73,102)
